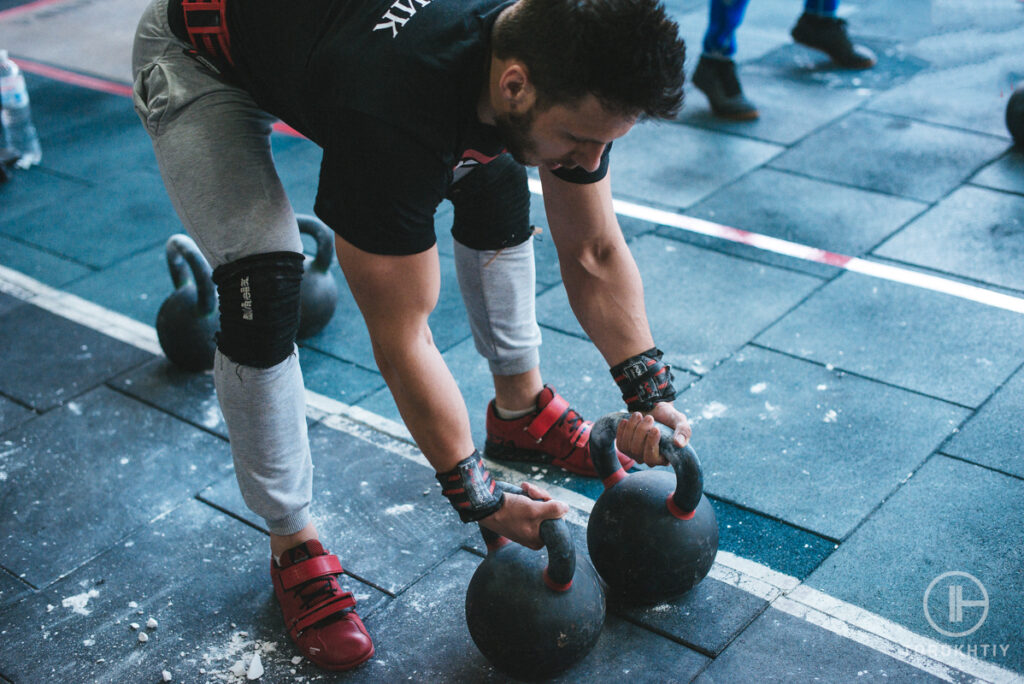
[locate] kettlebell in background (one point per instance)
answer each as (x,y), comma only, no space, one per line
(652,535)
(188,319)
(531,620)
(1015,116)
(319,291)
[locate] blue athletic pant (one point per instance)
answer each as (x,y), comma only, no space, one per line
(727,15)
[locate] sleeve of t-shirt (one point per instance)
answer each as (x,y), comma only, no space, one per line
(582,177)
(379,187)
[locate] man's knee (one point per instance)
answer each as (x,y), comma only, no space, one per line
(492,206)
(259,307)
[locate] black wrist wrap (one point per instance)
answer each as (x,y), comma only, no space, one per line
(644,380)
(472,491)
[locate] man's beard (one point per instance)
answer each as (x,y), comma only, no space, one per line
(514,132)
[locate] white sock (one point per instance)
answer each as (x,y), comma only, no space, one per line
(507,414)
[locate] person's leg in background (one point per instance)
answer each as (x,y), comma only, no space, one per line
(494,259)
(819,28)
(212,145)
(715,74)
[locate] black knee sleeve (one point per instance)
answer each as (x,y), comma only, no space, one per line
(492,206)
(259,307)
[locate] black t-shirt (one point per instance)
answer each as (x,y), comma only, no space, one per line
(389,90)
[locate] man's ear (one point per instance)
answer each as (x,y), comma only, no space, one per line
(516,88)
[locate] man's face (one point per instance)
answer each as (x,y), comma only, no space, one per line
(562,135)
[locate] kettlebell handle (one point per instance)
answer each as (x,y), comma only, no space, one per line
(684,461)
(182,252)
(557,540)
(322,235)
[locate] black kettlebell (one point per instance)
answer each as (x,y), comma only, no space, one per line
(188,318)
(528,620)
(652,535)
(319,292)
(1015,116)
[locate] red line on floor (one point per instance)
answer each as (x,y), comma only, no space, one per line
(105,85)
(26,8)
(58,74)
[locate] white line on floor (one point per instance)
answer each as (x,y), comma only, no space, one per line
(793,249)
(782,591)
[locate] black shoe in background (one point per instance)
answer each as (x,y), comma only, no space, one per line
(716,78)
(829,35)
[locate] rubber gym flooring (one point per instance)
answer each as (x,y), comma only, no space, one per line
(839,285)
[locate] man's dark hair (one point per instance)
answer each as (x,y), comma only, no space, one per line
(627,53)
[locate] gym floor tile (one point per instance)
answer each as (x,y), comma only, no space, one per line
(702,305)
(51,520)
(201,575)
(40,264)
(789,109)
(30,189)
(95,152)
(798,64)
(135,286)
(77,358)
(134,209)
(938,344)
(778,647)
(810,212)
(756,537)
(381,513)
(707,618)
(53,100)
(338,379)
(993,436)
(891,154)
(992,33)
(951,516)
(987,228)
(914,20)
(970,96)
(9,303)
(676,166)
(11,415)
(185,395)
(297,161)
(815,448)
(423,635)
(1005,173)
(11,589)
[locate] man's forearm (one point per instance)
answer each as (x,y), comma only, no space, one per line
(607,296)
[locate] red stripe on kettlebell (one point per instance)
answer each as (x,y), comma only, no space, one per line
(614,479)
(677,511)
(496,544)
(554,586)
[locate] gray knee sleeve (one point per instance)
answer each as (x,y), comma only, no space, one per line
(259,307)
(498,288)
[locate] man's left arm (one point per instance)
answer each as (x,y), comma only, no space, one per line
(606,293)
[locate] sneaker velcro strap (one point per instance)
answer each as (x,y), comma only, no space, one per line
(310,569)
(342,603)
(548,416)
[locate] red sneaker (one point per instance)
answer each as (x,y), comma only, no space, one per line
(554,434)
(318,614)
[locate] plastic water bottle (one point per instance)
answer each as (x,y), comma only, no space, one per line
(19,133)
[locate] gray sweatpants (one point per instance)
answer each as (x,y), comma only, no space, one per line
(212,145)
